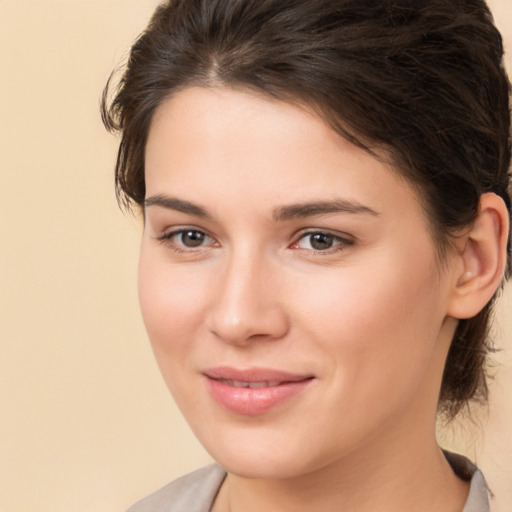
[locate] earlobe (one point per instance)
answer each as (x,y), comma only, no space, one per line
(483,257)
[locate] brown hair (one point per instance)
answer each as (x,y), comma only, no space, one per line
(421,79)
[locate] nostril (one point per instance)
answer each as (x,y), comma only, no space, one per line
(243,308)
(254,327)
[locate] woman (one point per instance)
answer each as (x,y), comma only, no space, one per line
(325,193)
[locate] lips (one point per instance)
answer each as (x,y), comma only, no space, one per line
(252,385)
(253,391)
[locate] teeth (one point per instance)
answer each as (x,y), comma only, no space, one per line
(237,384)
(252,385)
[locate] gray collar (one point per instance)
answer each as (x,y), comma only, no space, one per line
(196,491)
(478,497)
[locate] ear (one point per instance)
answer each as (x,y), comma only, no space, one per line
(481,259)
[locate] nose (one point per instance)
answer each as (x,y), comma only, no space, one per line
(247,304)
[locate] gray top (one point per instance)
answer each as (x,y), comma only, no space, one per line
(196,491)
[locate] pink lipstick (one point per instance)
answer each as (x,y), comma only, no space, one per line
(253,391)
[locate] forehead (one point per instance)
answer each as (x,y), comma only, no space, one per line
(220,117)
(224,145)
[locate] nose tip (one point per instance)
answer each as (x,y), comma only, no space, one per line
(242,329)
(246,308)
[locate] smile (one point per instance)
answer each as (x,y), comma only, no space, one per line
(255,391)
(252,385)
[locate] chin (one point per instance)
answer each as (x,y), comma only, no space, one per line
(262,453)
(258,466)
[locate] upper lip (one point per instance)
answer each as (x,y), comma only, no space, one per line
(254,374)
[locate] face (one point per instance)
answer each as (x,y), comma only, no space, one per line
(288,285)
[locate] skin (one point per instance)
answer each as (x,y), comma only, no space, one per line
(368,318)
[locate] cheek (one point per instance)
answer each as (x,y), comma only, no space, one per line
(171,301)
(380,324)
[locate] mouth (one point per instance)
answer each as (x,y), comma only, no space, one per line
(253,391)
(251,385)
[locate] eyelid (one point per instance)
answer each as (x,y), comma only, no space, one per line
(344,240)
(167,236)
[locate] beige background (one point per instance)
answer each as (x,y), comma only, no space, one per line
(86,424)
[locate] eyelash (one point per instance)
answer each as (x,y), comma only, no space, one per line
(167,238)
(340,242)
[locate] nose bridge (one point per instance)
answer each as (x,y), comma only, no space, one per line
(246,305)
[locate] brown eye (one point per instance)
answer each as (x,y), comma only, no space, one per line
(183,239)
(321,241)
(191,238)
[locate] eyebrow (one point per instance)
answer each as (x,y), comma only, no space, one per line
(179,205)
(309,209)
(282,213)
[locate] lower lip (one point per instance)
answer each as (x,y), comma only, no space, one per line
(253,401)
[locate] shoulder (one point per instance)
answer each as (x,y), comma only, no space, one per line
(194,492)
